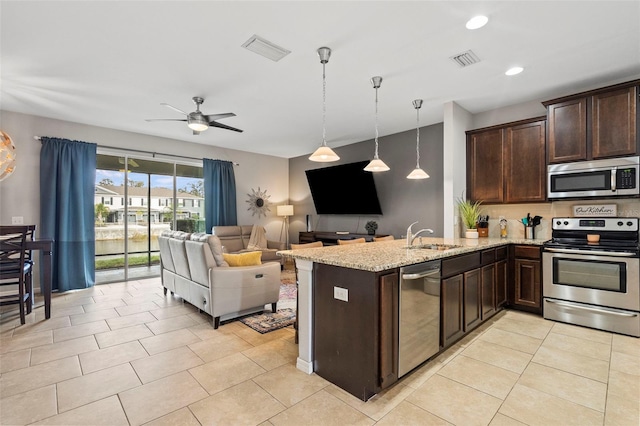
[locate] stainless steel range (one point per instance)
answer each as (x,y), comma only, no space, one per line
(591,271)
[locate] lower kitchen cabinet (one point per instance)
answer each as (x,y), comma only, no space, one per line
(488,290)
(501,283)
(472,299)
(451,315)
(355,340)
(527,285)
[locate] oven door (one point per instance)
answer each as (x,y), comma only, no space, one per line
(595,279)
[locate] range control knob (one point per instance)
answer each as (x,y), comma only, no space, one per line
(566,222)
(620,223)
(629,223)
(558,223)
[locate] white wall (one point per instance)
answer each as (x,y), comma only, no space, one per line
(20,192)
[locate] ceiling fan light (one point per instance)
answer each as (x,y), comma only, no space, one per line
(198,124)
(324,154)
(376,165)
(418,173)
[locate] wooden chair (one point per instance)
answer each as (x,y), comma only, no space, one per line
(16,266)
(354,241)
(386,238)
(297,247)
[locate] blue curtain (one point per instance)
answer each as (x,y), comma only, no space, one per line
(67,187)
(219,193)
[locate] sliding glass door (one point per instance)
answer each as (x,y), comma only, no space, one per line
(136,199)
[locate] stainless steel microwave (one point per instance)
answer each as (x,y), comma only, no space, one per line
(615,177)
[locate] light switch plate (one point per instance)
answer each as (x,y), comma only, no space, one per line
(17,220)
(341,294)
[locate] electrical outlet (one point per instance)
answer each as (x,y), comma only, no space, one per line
(17,220)
(341,294)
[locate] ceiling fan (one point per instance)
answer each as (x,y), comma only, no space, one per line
(196,120)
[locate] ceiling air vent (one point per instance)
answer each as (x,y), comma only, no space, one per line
(465,59)
(265,48)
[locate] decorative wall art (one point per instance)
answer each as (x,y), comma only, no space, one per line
(7,155)
(258,202)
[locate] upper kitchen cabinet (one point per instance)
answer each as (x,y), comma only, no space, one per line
(591,125)
(506,163)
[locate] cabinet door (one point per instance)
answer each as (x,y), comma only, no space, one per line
(527,284)
(613,123)
(567,137)
(485,166)
(472,299)
(488,291)
(451,324)
(525,169)
(501,283)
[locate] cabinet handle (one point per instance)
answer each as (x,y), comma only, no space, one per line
(614,171)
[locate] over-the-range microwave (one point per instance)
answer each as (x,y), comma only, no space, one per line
(615,177)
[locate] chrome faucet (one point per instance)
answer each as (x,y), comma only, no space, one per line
(411,237)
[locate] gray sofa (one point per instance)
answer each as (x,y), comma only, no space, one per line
(235,239)
(193,267)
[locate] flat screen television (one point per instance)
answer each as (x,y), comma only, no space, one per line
(344,189)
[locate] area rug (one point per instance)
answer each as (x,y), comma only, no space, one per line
(286,313)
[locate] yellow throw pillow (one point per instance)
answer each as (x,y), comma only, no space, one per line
(243,259)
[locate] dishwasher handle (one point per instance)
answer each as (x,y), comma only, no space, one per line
(424,274)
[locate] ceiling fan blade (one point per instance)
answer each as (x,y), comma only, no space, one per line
(219,116)
(165,119)
(174,108)
(224,126)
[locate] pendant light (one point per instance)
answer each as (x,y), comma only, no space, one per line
(376,165)
(324,154)
(417,173)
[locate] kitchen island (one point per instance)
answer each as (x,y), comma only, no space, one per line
(348,302)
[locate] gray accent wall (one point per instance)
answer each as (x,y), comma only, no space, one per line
(402,200)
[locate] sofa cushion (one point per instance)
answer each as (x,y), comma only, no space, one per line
(214,244)
(230,237)
(250,258)
(179,253)
(165,251)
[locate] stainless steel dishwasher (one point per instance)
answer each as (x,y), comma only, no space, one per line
(419,322)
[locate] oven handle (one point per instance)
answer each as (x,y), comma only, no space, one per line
(591,252)
(614,170)
(605,311)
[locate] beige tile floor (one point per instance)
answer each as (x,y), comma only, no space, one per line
(124,354)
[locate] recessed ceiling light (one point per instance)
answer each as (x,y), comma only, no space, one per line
(477,22)
(514,71)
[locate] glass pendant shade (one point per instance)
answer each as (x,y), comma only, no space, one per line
(417,173)
(324,154)
(376,165)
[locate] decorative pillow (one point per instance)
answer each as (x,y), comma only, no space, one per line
(251,258)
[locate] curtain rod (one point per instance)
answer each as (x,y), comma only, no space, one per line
(142,152)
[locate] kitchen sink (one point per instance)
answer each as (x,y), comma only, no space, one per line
(440,247)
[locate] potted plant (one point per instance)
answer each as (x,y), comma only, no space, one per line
(470,212)
(371,227)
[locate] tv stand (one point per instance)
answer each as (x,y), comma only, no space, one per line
(331,238)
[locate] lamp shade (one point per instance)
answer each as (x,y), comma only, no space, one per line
(376,165)
(324,154)
(285,210)
(418,173)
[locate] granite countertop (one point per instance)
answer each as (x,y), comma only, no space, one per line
(380,256)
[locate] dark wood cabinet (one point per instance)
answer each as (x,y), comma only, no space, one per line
(472,299)
(506,163)
(525,166)
(485,166)
(601,123)
(355,341)
(488,291)
(501,283)
(526,293)
(451,315)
